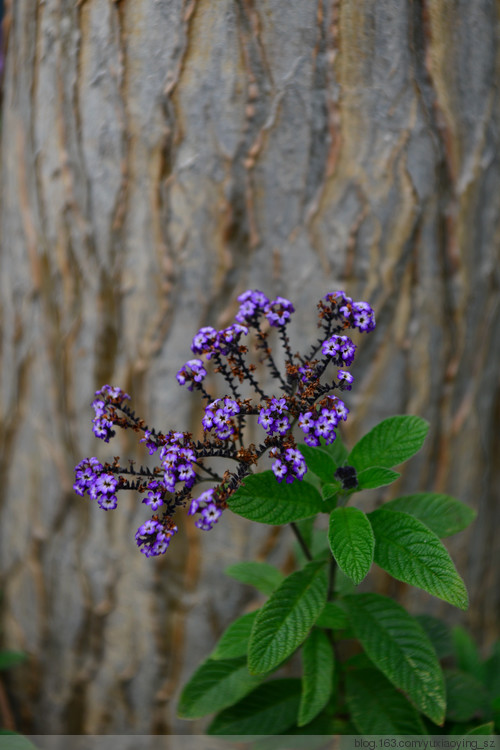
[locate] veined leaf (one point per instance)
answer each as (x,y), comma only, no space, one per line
(376,476)
(443,514)
(287,617)
(412,553)
(215,685)
(234,641)
(336,450)
(438,633)
(399,648)
(261,498)
(389,443)
(352,542)
(263,576)
(376,706)
(269,709)
(333,617)
(319,462)
(317,681)
(466,652)
(466,696)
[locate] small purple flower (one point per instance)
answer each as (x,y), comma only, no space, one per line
(154,537)
(107,502)
(345,380)
(192,372)
(204,340)
(332,346)
(106,484)
(289,465)
(218,416)
(252,305)
(278,311)
(209,516)
(150,441)
(364,317)
(206,506)
(347,351)
(306,421)
(228,339)
(154,497)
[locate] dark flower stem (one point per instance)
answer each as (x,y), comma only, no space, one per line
(305,549)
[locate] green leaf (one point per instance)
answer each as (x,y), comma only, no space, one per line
(491,671)
(336,450)
(438,633)
(234,641)
(9,659)
(261,498)
(309,737)
(466,652)
(399,648)
(215,685)
(376,707)
(329,494)
(412,553)
(488,728)
(317,681)
(389,443)
(269,709)
(466,696)
(319,462)
(352,542)
(286,618)
(263,576)
(443,514)
(376,476)
(333,617)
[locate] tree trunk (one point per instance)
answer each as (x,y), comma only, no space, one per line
(158,158)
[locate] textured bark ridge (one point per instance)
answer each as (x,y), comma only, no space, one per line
(158,158)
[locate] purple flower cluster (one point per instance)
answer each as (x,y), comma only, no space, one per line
(321,424)
(192,372)
(340,348)
(274,418)
(358,315)
(177,458)
(101,485)
(153,537)
(254,304)
(206,506)
(108,397)
(288,465)
(218,416)
(209,341)
(304,397)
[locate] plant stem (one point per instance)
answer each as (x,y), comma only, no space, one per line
(305,549)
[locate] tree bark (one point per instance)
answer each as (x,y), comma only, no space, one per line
(158,158)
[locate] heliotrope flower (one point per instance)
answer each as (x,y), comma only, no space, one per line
(278,312)
(192,372)
(303,402)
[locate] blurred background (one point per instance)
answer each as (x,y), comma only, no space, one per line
(159,157)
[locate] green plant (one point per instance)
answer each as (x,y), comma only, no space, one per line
(395,682)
